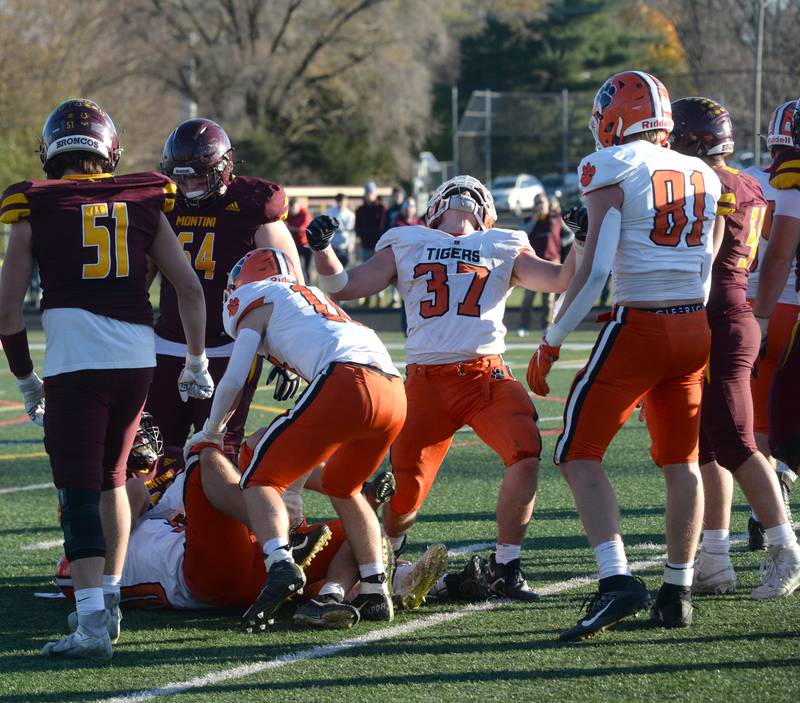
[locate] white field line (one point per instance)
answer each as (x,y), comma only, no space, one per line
(49,544)
(32,487)
(469,548)
(328,650)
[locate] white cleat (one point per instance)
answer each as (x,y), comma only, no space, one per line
(91,643)
(713,573)
(114,617)
(415,585)
(780,573)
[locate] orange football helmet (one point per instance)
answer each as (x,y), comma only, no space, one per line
(260,265)
(628,103)
(779,132)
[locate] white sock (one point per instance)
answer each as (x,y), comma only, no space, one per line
(89,600)
(400,572)
(611,559)
(717,541)
(111,584)
(781,535)
(372,569)
(755,516)
(331,588)
(505,553)
(275,543)
(440,587)
(397,542)
(282,554)
(679,574)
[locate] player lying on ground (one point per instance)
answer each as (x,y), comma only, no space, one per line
(455,275)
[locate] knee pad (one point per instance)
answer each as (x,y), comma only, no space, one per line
(80,520)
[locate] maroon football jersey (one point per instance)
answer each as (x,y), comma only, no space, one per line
(743,206)
(785,174)
(214,238)
(91,235)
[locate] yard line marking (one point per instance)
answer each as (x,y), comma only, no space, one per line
(11,402)
(15,420)
(11,408)
(468,548)
(32,487)
(49,544)
(268,408)
(29,455)
(328,650)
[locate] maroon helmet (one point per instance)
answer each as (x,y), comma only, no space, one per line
(796,124)
(198,148)
(79,125)
(702,128)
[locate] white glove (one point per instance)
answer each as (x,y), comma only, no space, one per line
(195,381)
(32,391)
(206,436)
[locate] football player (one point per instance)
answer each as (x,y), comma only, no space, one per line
(347,418)
(454,275)
(218,217)
(91,234)
(650,216)
(728,447)
(781,321)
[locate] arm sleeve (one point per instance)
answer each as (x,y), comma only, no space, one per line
(607,242)
(787,203)
(245,348)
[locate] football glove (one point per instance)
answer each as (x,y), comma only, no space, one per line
(320,231)
(203,439)
(577,220)
(286,383)
(32,391)
(195,381)
(539,367)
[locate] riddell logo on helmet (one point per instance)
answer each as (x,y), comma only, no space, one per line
(77,141)
(655,124)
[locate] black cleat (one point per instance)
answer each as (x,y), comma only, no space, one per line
(470,584)
(673,606)
(604,610)
(374,606)
(307,543)
(756,539)
(327,612)
(508,581)
(380,489)
(284,579)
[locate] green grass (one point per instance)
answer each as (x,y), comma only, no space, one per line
(737,649)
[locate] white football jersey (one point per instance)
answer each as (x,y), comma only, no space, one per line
(454,289)
(788,294)
(307,330)
(670,200)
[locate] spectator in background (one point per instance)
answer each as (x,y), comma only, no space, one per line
(543,228)
(397,200)
(370,225)
(408,214)
(297,220)
(344,241)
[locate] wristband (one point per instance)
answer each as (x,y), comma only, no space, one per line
(555,336)
(335,282)
(18,353)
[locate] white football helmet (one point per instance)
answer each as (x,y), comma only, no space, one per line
(462,193)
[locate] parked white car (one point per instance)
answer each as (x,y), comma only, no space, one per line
(515,193)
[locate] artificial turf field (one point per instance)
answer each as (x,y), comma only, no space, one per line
(736,650)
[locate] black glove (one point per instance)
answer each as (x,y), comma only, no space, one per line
(577,220)
(286,383)
(320,231)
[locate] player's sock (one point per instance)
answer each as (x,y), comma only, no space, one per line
(400,572)
(275,550)
(717,541)
(679,574)
(781,535)
(331,588)
(611,559)
(397,542)
(754,515)
(111,583)
(505,553)
(371,569)
(87,602)
(440,587)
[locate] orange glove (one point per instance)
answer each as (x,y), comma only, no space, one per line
(539,367)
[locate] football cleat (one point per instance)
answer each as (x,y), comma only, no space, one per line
(380,489)
(780,573)
(508,581)
(113,621)
(713,573)
(91,641)
(470,584)
(284,579)
(327,612)
(307,543)
(604,610)
(756,538)
(374,606)
(416,584)
(673,606)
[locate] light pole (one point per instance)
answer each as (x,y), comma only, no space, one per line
(762,6)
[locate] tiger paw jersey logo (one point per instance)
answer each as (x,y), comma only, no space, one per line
(233,306)
(587,174)
(498,374)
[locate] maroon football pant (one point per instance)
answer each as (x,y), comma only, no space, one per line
(784,405)
(726,415)
(176,418)
(90,423)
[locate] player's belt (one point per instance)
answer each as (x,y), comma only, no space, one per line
(675,309)
(459,368)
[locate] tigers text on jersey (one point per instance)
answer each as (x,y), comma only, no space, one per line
(307,331)
(214,237)
(454,288)
(665,247)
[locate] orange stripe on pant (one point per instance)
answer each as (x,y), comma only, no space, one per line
(639,353)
